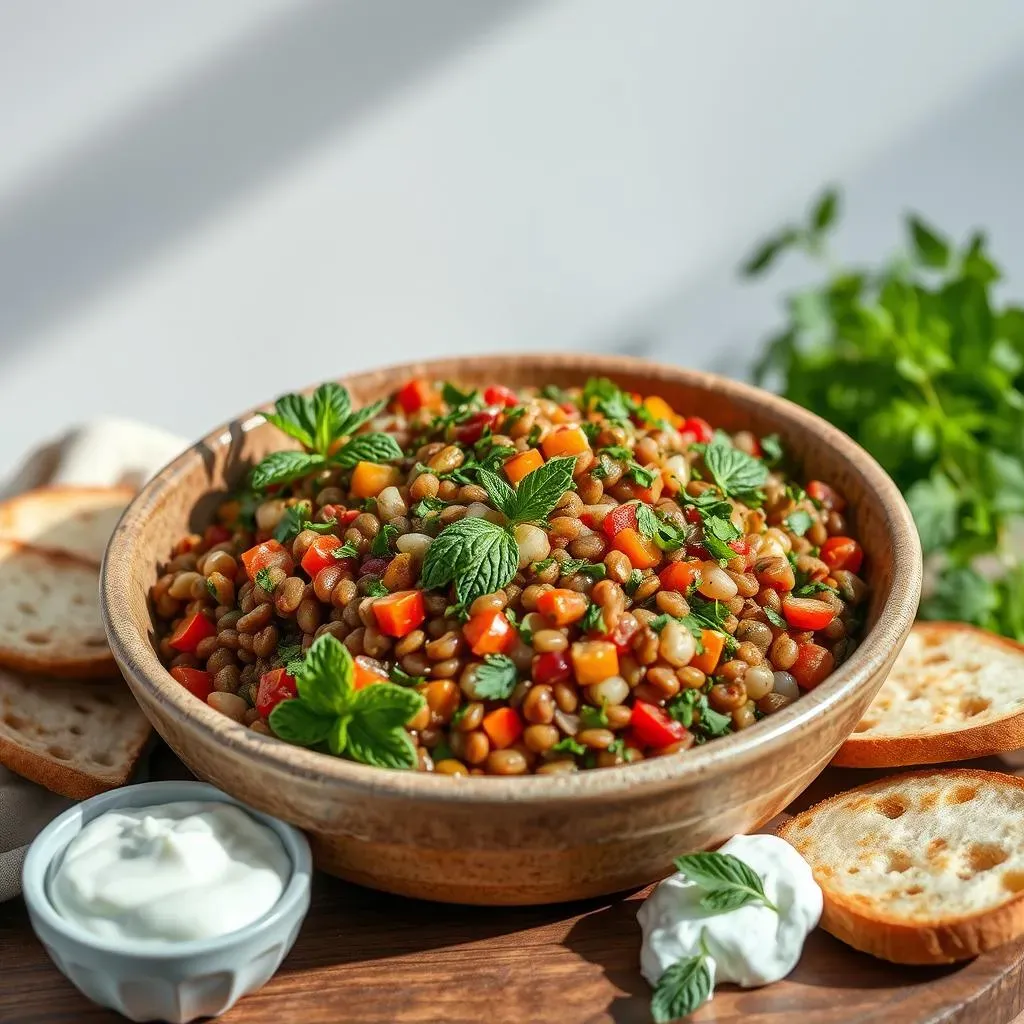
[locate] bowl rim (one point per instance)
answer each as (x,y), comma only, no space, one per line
(139,661)
(55,838)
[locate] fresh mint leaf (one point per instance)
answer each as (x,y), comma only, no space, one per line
(380,546)
(719,873)
(930,249)
(284,467)
(538,492)
(712,723)
(325,679)
(737,474)
(211,589)
(602,395)
(799,522)
(294,721)
(343,551)
(718,532)
(375,588)
(331,404)
(452,396)
(294,415)
(667,535)
(495,677)
(775,618)
(402,678)
(265,580)
(290,523)
(376,731)
(503,497)
(636,577)
(427,507)
(524,631)
(593,620)
(684,987)
(554,394)
(569,745)
(772,450)
(640,476)
(367,448)
(571,566)
(594,718)
(477,555)
(358,417)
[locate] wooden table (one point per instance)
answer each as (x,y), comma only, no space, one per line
(369,958)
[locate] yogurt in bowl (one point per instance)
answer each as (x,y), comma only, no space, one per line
(168,900)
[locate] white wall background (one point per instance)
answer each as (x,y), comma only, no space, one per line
(205,203)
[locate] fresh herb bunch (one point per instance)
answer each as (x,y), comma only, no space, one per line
(921,363)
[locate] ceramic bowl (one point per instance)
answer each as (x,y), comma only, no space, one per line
(173,982)
(534,839)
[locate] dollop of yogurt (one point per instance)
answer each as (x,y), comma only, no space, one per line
(174,873)
(750,946)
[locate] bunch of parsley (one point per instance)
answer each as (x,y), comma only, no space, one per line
(920,362)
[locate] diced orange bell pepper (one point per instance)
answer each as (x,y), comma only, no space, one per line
(680,576)
(398,614)
(567,440)
(713,642)
(562,607)
(366,672)
(503,727)
(191,630)
(661,410)
(264,556)
(594,661)
(370,478)
(518,466)
(195,680)
(489,633)
(641,552)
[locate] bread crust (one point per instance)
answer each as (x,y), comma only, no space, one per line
(936,746)
(864,926)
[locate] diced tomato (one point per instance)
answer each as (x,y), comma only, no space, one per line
(648,495)
(489,633)
(758,451)
(594,661)
(416,395)
(216,534)
(522,464)
(498,394)
(621,517)
(319,554)
(842,553)
(398,614)
(263,556)
(471,430)
(562,607)
(195,680)
(680,576)
(813,664)
(275,686)
(567,440)
(740,546)
(623,633)
(503,726)
(652,726)
(807,612)
(692,514)
(713,642)
(551,667)
(193,629)
(642,553)
(827,496)
(700,428)
(366,672)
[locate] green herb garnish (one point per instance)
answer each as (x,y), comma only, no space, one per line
(380,546)
(729,882)
(683,987)
(495,678)
(799,521)
(569,745)
(265,580)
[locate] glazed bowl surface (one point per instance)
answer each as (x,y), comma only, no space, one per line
(534,839)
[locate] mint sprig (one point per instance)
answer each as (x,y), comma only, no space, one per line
(737,474)
(683,987)
(729,882)
(366,725)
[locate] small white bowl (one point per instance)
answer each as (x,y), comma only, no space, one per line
(187,979)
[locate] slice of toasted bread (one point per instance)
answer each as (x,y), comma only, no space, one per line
(75,519)
(921,868)
(50,614)
(955,692)
(74,740)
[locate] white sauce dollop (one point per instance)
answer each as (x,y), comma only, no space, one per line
(750,946)
(173,873)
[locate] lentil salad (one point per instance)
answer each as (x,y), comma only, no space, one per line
(498,582)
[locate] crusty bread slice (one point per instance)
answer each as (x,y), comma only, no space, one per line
(955,692)
(49,613)
(75,519)
(74,740)
(921,868)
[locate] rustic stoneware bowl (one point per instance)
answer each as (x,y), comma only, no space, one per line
(536,839)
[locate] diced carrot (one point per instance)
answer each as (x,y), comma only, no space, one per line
(489,633)
(642,553)
(661,410)
(191,630)
(567,440)
(518,466)
(195,680)
(713,642)
(398,614)
(366,672)
(370,478)
(562,607)
(264,556)
(503,726)
(594,661)
(680,576)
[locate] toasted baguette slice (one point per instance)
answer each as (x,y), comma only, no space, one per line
(75,519)
(50,614)
(955,692)
(921,868)
(74,740)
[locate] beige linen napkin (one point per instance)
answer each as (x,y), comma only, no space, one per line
(102,453)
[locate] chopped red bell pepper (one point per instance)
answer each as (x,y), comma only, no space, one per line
(275,686)
(472,429)
(319,554)
(195,680)
(842,553)
(551,667)
(416,394)
(263,556)
(699,427)
(398,614)
(191,630)
(807,612)
(489,633)
(652,726)
(498,394)
(622,517)
(826,496)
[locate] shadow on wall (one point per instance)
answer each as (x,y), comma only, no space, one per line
(302,79)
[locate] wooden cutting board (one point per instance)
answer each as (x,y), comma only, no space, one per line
(369,958)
